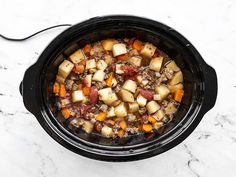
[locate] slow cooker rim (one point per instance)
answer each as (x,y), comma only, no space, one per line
(171,31)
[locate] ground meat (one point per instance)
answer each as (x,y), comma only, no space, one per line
(103,108)
(142,110)
(119,78)
(131,118)
(117,88)
(69,83)
(168,73)
(99,85)
(74,87)
(133,52)
(132,130)
(98,126)
(89,101)
(164,103)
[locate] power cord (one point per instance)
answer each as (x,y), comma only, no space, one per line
(30,36)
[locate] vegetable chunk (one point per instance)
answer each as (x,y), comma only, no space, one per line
(148,50)
(108,44)
(77,56)
(65,68)
(156,63)
(77,96)
(119,49)
(130,85)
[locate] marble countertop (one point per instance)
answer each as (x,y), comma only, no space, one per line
(25,148)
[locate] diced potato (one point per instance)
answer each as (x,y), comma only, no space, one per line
(114,82)
(152,107)
(156,63)
(174,88)
(157,125)
(126,96)
(162,90)
(108,59)
(101,65)
(85,100)
(148,50)
(144,82)
(99,75)
(107,96)
(139,79)
(88,80)
(170,109)
(136,61)
(92,70)
(107,131)
(77,96)
(60,79)
(172,65)
(130,85)
(87,126)
(65,102)
(119,49)
(159,115)
(133,107)
(110,99)
(157,97)
(111,112)
(177,78)
(65,68)
(108,44)
(116,103)
(77,56)
(118,70)
(120,110)
(103,92)
(90,64)
(141,100)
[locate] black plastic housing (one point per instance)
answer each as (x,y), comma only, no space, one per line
(200,85)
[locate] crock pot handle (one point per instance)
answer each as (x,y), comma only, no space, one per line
(27,90)
(211,88)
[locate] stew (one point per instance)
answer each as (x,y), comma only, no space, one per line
(118,87)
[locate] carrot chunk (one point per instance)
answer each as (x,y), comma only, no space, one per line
(62,92)
(101,116)
(137,45)
(79,68)
(56,88)
(121,133)
(83,62)
(179,95)
(111,122)
(66,113)
(147,128)
(123,57)
(109,80)
(87,48)
(86,91)
(80,86)
(123,125)
(151,119)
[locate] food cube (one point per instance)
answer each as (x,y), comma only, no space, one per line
(77,56)
(119,49)
(148,50)
(99,75)
(65,68)
(77,96)
(156,63)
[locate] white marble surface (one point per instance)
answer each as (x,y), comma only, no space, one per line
(25,148)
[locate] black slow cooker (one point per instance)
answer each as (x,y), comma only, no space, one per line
(200,85)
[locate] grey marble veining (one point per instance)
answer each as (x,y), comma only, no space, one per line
(25,148)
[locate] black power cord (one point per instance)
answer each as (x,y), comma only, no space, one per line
(30,36)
